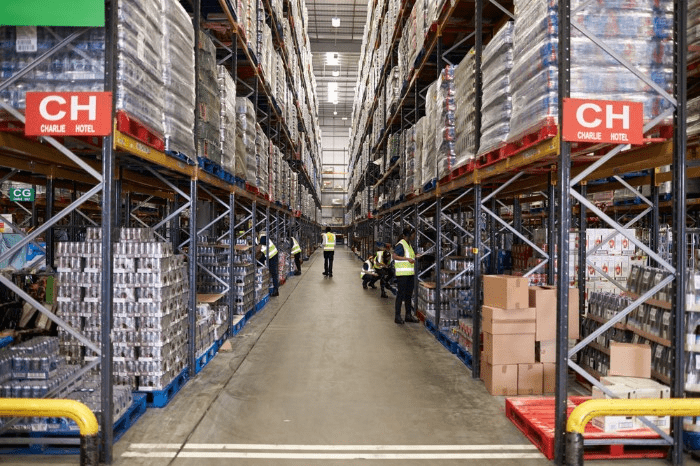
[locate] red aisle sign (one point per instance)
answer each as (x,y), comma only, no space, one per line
(606,121)
(68,114)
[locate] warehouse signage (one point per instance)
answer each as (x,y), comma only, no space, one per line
(21,194)
(68,114)
(86,13)
(603,121)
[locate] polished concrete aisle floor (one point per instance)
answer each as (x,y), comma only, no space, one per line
(323,376)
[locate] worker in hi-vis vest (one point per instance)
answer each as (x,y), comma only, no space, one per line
(296,253)
(272,260)
(368,274)
(384,267)
(404,264)
(328,252)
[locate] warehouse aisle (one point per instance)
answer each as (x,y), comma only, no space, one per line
(324,376)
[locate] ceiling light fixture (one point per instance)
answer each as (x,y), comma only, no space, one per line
(344,118)
(335,113)
(336,73)
(332,58)
(335,22)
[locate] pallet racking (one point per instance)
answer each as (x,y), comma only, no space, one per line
(123,181)
(478,208)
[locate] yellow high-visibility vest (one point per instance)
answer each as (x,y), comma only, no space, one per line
(330,242)
(404,268)
(273,249)
(296,249)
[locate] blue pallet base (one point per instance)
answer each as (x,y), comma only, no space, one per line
(635,201)
(262,303)
(238,326)
(430,185)
(5,341)
(161,398)
(691,440)
(135,411)
(464,356)
(181,157)
(70,430)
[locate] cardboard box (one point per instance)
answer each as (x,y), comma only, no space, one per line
(530,379)
(635,388)
(614,423)
(628,359)
(544,301)
(504,321)
(501,379)
(509,349)
(506,291)
(573,312)
(546,351)
(548,378)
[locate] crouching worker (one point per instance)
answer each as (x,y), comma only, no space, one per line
(368,274)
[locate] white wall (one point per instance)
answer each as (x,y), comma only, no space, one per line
(334,143)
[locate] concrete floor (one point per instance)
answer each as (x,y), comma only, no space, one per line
(323,376)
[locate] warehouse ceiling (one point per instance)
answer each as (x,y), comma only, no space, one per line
(336,51)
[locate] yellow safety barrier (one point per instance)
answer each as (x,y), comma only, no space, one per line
(586,411)
(81,414)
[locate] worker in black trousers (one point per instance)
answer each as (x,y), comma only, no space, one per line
(368,274)
(404,264)
(296,253)
(272,261)
(328,252)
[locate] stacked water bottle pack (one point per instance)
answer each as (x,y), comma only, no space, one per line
(262,160)
(178,77)
(429,166)
(35,369)
(227,127)
(410,160)
(445,136)
(465,111)
(534,77)
(209,109)
(150,305)
(262,283)
(243,276)
(639,31)
(245,140)
(496,106)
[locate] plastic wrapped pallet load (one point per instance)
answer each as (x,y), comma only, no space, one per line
(496,106)
(534,77)
(429,169)
(179,79)
(639,31)
(209,110)
(245,140)
(465,111)
(227,129)
(445,129)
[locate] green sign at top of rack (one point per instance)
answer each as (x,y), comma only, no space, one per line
(85,13)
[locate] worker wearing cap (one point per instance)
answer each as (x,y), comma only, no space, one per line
(368,274)
(272,260)
(404,264)
(296,252)
(328,252)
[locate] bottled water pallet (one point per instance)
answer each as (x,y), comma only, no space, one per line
(464,356)
(238,326)
(548,131)
(534,417)
(204,359)
(161,398)
(447,342)
(128,125)
(262,303)
(69,430)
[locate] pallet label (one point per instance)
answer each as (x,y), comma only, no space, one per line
(68,114)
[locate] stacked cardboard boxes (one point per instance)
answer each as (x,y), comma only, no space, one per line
(519,324)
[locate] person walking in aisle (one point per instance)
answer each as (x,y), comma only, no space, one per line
(272,260)
(369,274)
(296,252)
(328,252)
(404,263)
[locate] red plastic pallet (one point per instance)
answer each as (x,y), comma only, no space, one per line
(252,189)
(128,125)
(458,172)
(534,417)
(547,131)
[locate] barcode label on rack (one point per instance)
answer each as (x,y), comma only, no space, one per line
(26,39)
